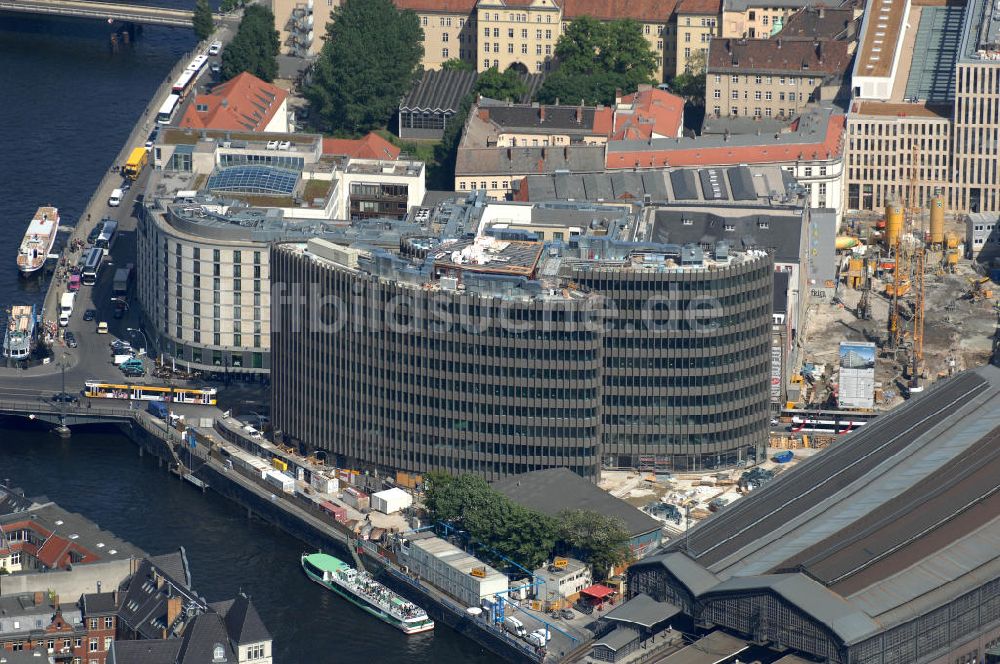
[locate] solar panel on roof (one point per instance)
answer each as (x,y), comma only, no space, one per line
(254,180)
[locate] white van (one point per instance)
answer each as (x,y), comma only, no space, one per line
(514,626)
(115,199)
(215,48)
(66,308)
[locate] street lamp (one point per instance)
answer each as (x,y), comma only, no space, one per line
(62,429)
(145,339)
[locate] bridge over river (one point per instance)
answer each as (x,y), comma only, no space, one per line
(105,11)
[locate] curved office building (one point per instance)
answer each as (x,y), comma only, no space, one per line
(382,366)
(686,359)
(504,354)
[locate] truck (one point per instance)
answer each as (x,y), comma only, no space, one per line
(279,481)
(66,308)
(123,277)
(514,626)
(158,409)
(137,161)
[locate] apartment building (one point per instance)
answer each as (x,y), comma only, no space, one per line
(449,29)
(301,24)
(522,33)
(697,22)
(926,107)
(772,77)
(656,18)
(759,19)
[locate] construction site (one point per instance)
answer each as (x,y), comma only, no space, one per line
(907,286)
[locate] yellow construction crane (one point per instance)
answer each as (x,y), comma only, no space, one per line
(918,308)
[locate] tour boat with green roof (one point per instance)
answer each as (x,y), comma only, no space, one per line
(362,590)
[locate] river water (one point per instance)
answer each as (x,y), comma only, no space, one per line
(69,103)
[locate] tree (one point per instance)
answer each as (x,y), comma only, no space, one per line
(458,65)
(255,46)
(690,84)
(595,538)
(596,59)
(227,6)
(491,519)
(204,24)
(368,61)
(506,86)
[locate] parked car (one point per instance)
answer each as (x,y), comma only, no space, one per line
(63,397)
(134,373)
(70,339)
(118,314)
(102,327)
(95,233)
(215,48)
(90,314)
(119,347)
(567,614)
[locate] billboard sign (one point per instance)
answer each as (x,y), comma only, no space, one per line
(857,375)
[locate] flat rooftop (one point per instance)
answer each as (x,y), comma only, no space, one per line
(932,74)
(883,33)
(981,33)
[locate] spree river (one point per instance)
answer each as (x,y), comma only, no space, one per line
(69,103)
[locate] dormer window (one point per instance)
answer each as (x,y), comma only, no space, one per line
(218,654)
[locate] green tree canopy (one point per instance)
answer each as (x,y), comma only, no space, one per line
(458,64)
(596,59)
(254,48)
(491,518)
(204,24)
(600,540)
(690,84)
(368,62)
(508,85)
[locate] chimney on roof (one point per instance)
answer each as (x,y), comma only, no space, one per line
(822,11)
(618,96)
(541,113)
(779,43)
(566,153)
(579,114)
(484,114)
(39,598)
(510,154)
(173,610)
(543,153)
(819,52)
(225,102)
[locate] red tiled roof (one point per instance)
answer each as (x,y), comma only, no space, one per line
(732,155)
(649,11)
(371,146)
(52,551)
(438,6)
(244,103)
(699,7)
(655,112)
(603,120)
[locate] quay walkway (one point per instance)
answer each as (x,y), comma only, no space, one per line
(104,11)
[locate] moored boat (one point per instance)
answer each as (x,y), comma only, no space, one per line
(362,590)
(38,240)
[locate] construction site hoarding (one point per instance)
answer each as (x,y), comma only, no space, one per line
(857,375)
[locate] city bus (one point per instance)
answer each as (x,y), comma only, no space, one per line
(106,240)
(166,113)
(183,83)
(197,64)
(136,162)
(92,262)
(205,396)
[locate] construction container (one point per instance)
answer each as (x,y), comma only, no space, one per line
(937,219)
(408,480)
(391,500)
(280,481)
(279,464)
(893,223)
(338,512)
(952,258)
(357,499)
(324,484)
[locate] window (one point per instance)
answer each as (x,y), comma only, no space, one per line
(548,34)
(444,53)
(735,78)
(718,78)
(93,623)
(756,95)
(423,20)
(717,93)
(93,645)
(812,82)
(486,32)
(107,642)
(444,37)
(767,112)
(807,171)
(767,95)
(781,80)
(496,32)
(646,29)
(791,96)
(781,96)
(510,33)
(687,37)
(716,110)
(764,20)
(524,33)
(524,49)
(659,44)
(538,34)
(510,48)
(109,622)
(734,94)
(687,52)
(538,49)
